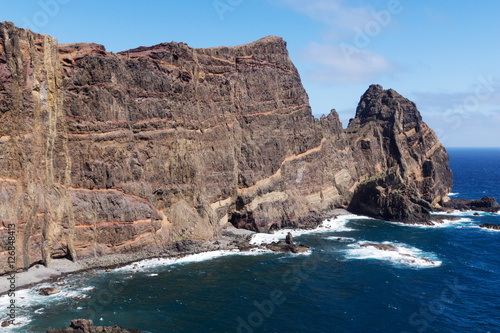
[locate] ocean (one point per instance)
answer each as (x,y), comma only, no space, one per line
(442,279)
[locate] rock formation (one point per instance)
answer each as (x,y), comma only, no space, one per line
(287,246)
(485,204)
(87,326)
(49,291)
(145,150)
(491,226)
(408,164)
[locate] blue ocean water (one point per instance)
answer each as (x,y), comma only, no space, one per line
(338,287)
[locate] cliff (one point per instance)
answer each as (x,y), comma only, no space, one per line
(104,153)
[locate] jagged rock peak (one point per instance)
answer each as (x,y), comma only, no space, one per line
(377,103)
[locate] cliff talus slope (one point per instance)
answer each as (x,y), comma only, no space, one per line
(104,153)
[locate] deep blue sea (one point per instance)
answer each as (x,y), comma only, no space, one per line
(338,287)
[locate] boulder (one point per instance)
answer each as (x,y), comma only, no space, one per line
(87,326)
(49,291)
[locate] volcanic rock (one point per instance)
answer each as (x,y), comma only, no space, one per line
(287,246)
(408,165)
(485,204)
(490,226)
(49,291)
(158,148)
(87,326)
(380,246)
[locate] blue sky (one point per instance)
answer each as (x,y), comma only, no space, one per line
(443,55)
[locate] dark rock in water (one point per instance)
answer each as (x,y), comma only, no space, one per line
(485,204)
(380,246)
(49,291)
(442,218)
(87,326)
(490,226)
(389,247)
(287,246)
(5,323)
(282,246)
(428,260)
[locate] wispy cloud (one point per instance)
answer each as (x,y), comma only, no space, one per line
(482,98)
(333,13)
(332,65)
(340,57)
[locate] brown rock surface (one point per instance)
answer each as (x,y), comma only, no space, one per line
(158,147)
(408,164)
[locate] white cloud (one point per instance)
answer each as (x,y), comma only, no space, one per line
(333,65)
(333,12)
(343,56)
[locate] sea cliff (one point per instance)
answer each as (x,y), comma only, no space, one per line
(149,149)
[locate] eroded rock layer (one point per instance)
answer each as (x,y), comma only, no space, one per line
(104,153)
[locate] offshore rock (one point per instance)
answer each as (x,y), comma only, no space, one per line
(490,226)
(158,149)
(287,246)
(49,291)
(87,326)
(485,204)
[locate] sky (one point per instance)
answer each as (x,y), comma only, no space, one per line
(443,55)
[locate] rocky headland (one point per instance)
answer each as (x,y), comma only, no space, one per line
(158,150)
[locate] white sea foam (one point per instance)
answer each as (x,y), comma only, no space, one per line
(342,239)
(29,301)
(192,258)
(486,229)
(198,257)
(460,223)
(337,224)
(452,194)
(406,256)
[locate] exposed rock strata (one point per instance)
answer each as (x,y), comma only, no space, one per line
(153,148)
(408,163)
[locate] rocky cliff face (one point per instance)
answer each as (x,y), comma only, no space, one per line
(104,153)
(409,164)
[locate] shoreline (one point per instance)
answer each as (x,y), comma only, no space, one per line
(231,239)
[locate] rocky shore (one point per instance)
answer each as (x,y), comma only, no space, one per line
(232,239)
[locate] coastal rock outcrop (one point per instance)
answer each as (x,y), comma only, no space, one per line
(491,226)
(87,326)
(408,164)
(485,204)
(153,148)
(287,246)
(49,291)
